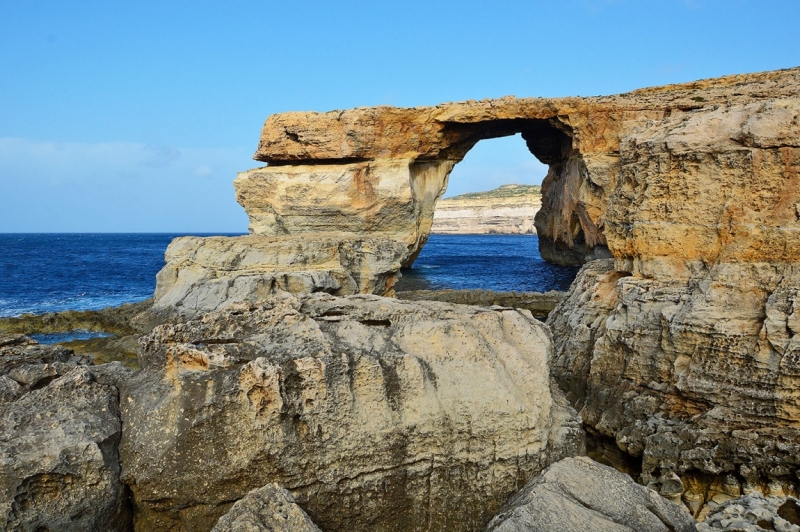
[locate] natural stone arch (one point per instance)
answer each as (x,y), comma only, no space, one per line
(363,191)
(347,197)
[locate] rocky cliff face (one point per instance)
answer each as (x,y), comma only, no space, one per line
(685,347)
(379,172)
(681,346)
(508,210)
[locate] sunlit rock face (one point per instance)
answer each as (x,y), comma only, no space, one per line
(378,172)
(376,414)
(685,348)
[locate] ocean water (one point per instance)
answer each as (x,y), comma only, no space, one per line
(55,272)
(491,262)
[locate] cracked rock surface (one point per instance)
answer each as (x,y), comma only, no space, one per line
(267,509)
(581,494)
(376,414)
(59,432)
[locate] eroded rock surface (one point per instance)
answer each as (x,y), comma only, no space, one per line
(581,139)
(207,274)
(59,430)
(579,494)
(754,513)
(376,414)
(378,173)
(267,509)
(685,348)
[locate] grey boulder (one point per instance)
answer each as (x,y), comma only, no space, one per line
(579,494)
(270,508)
(59,432)
(754,513)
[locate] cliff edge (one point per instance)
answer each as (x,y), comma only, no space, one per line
(509,210)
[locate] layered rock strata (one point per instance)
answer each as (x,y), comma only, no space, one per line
(685,347)
(60,427)
(580,494)
(378,172)
(539,304)
(375,414)
(508,210)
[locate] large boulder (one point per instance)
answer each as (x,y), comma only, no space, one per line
(267,509)
(685,348)
(578,494)
(376,414)
(60,427)
(207,274)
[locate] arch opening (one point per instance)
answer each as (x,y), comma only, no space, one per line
(483,236)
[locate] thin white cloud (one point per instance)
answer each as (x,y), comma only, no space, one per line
(203,171)
(117,186)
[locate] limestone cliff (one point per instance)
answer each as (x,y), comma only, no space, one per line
(580,138)
(379,172)
(686,347)
(509,209)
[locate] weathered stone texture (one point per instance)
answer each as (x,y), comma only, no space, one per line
(376,414)
(59,430)
(206,274)
(580,494)
(267,509)
(378,173)
(685,347)
(580,138)
(754,513)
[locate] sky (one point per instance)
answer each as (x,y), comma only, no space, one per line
(136,116)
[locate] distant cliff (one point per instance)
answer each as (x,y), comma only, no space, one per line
(506,210)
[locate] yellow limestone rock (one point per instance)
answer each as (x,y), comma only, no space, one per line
(379,172)
(685,347)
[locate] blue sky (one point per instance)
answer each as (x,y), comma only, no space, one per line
(136,116)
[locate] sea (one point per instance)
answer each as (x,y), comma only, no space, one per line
(55,272)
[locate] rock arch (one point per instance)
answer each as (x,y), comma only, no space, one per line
(385,178)
(347,197)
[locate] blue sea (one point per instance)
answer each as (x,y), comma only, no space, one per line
(55,272)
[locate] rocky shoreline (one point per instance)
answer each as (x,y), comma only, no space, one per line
(281,386)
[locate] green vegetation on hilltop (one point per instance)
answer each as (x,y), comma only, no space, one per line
(504,191)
